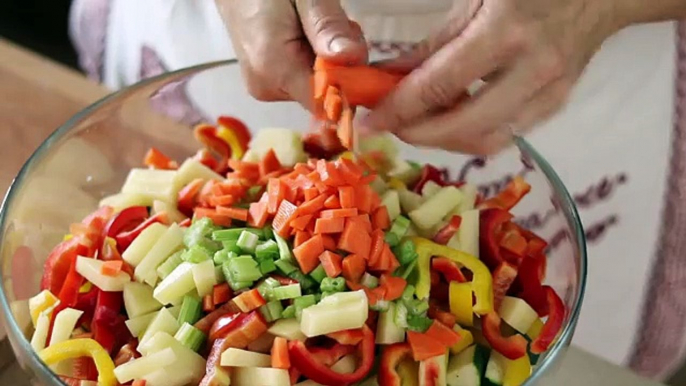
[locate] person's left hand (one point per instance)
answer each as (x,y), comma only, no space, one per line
(530,52)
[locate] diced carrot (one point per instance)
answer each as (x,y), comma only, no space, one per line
(206,192)
(300,238)
(112,267)
(280,358)
(223,200)
(354,286)
(328,174)
(380,218)
(217,219)
(376,248)
(332,202)
(353,267)
(346,195)
(329,242)
(374,295)
(221,293)
(349,337)
(239,214)
(355,239)
(275,174)
(232,187)
(442,316)
(311,193)
(301,168)
(300,223)
(281,222)
(320,84)
(307,253)
(157,160)
(139,382)
(332,263)
(208,303)
(333,104)
(345,128)
(186,198)
(336,213)
(257,214)
(351,172)
(276,189)
(249,300)
(312,206)
(238,165)
(443,334)
(310,227)
(368,93)
(269,163)
(363,220)
(363,198)
(329,225)
(393,285)
(317,181)
(424,347)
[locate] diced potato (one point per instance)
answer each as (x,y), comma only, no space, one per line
(138,324)
(176,285)
(387,331)
(432,211)
(345,365)
(138,299)
(91,270)
(175,310)
(404,171)
(172,213)
(287,144)
(40,303)
(188,368)
(429,189)
(432,371)
(234,357)
(517,313)
(260,376)
(383,142)
(409,200)
(288,329)
(468,233)
(151,183)
(163,322)
(344,297)
(251,156)
(121,201)
(192,169)
(204,277)
(65,322)
(40,335)
(469,193)
(264,343)
(168,243)
(332,316)
(391,200)
(140,247)
(138,368)
(379,185)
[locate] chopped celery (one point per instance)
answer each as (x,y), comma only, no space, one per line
(391,239)
(268,233)
(272,311)
(284,249)
(241,268)
(223,256)
(400,226)
(406,271)
(305,281)
(303,302)
(318,274)
(239,285)
(234,233)
(381,305)
(190,310)
(231,246)
(288,312)
(266,288)
(247,241)
(325,294)
(369,281)
(268,250)
(285,266)
(400,317)
(169,265)
(333,284)
(418,323)
(195,254)
(190,337)
(198,230)
(290,291)
(219,274)
(417,307)
(267,266)
(408,293)
(405,252)
(208,245)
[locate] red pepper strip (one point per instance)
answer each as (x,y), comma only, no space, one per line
(552,325)
(125,239)
(207,135)
(529,281)
(331,355)
(86,303)
(68,295)
(449,269)
(205,157)
(535,244)
(126,220)
(239,129)
(390,359)
(305,362)
(215,374)
(503,277)
(490,226)
(108,324)
(448,231)
(513,347)
(58,264)
(205,324)
(429,173)
(508,197)
(514,243)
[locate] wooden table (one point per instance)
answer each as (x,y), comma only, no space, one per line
(37,95)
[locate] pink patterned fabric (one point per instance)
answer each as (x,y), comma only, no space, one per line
(660,340)
(88,31)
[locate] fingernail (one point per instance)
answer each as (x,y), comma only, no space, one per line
(340,44)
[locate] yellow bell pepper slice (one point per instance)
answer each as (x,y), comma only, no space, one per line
(467,339)
(40,303)
(67,237)
(482,282)
(86,287)
(228,136)
(76,348)
(460,299)
(517,371)
(396,184)
(535,329)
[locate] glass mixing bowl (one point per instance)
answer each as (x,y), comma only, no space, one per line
(90,156)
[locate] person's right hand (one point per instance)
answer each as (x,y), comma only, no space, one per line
(276,42)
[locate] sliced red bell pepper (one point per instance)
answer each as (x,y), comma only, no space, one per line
(329,356)
(215,374)
(126,220)
(207,135)
(205,324)
(429,173)
(68,294)
(503,277)
(108,324)
(305,362)
(223,325)
(91,232)
(58,263)
(126,238)
(507,198)
(448,231)
(552,325)
(390,359)
(239,129)
(205,157)
(529,280)
(513,347)
(490,226)
(448,268)
(86,303)
(240,331)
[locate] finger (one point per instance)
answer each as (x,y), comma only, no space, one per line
(331,32)
(542,106)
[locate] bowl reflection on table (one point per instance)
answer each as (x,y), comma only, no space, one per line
(89,157)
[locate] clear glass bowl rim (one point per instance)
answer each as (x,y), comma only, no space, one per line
(566,204)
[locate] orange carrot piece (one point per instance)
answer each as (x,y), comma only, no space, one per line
(312,206)
(221,293)
(323,64)
(329,225)
(112,267)
(208,303)
(284,214)
(276,189)
(311,193)
(346,196)
(393,285)
(333,104)
(363,220)
(232,187)
(376,249)
(332,202)
(345,128)
(249,300)
(269,163)
(157,160)
(388,262)
(380,218)
(377,83)
(307,253)
(332,263)
(186,199)
(363,198)
(353,267)
(280,358)
(300,238)
(217,219)
(329,242)
(300,223)
(257,214)
(328,174)
(355,239)
(239,214)
(139,382)
(206,192)
(223,200)
(334,213)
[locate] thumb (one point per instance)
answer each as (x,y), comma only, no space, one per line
(330,32)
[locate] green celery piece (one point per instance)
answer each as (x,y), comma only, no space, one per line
(199,229)
(305,281)
(234,233)
(303,302)
(195,254)
(285,266)
(267,250)
(288,312)
(223,256)
(247,241)
(169,265)
(190,336)
(330,284)
(391,239)
(268,233)
(408,294)
(418,323)
(267,266)
(400,317)
(369,281)
(232,246)
(417,307)
(242,268)
(266,288)
(284,249)
(211,247)
(318,274)
(405,252)
(290,291)
(239,285)
(408,269)
(400,226)
(272,311)
(191,309)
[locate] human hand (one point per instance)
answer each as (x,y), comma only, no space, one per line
(530,52)
(276,42)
